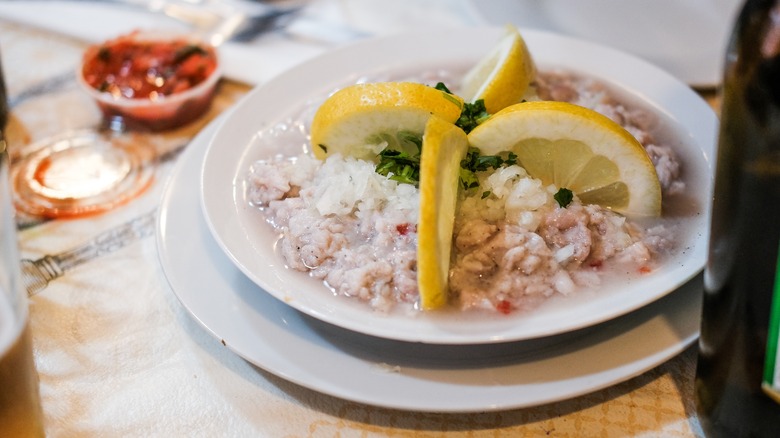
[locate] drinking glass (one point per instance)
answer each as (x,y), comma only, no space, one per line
(20,405)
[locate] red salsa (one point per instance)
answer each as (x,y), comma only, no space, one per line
(135,68)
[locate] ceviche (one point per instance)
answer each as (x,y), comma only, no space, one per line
(495,188)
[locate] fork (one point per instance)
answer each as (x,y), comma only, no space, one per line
(36,274)
(245,26)
(220,21)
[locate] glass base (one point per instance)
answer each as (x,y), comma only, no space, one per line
(81,173)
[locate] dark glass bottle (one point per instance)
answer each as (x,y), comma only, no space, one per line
(735,396)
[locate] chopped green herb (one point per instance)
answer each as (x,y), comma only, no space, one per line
(442,87)
(471,115)
(104,54)
(187,51)
(449,95)
(323,147)
(485,194)
(400,159)
(402,166)
(564,197)
(468,179)
(476,162)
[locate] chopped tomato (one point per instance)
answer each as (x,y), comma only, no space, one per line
(596,263)
(504,307)
(403,229)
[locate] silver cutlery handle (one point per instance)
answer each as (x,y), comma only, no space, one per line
(36,274)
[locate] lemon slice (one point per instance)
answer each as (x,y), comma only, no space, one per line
(444,146)
(357,120)
(575,148)
(502,77)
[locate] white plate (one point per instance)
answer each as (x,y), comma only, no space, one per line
(249,241)
(443,378)
(687,38)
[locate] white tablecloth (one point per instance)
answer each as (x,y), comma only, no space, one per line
(119,356)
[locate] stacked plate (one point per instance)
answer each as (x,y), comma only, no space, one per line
(289,324)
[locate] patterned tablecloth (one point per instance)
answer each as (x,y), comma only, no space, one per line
(119,356)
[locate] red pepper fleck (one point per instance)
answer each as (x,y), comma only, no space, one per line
(645,270)
(504,307)
(596,263)
(403,229)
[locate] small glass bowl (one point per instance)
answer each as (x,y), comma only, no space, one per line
(161,113)
(93,170)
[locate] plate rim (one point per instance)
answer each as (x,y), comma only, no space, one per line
(678,330)
(272,92)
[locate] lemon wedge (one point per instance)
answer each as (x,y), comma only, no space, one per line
(444,146)
(575,148)
(362,119)
(501,77)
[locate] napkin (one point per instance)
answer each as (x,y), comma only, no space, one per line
(320,26)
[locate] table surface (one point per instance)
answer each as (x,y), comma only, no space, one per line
(119,356)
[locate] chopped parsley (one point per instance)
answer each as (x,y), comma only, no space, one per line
(564,197)
(471,115)
(468,179)
(400,160)
(399,166)
(442,87)
(189,50)
(404,167)
(104,54)
(476,162)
